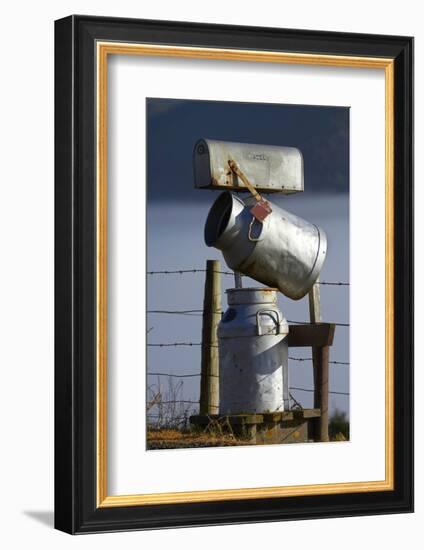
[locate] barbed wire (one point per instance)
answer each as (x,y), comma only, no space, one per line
(300,359)
(230,273)
(193,375)
(312,390)
(331,283)
(291,388)
(199,313)
(174,418)
(311,359)
(183,271)
(175,344)
(177,401)
(308,323)
(190,344)
(180,375)
(190,312)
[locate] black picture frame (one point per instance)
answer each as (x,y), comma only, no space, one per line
(76,509)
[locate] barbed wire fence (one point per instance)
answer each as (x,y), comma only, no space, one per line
(170,409)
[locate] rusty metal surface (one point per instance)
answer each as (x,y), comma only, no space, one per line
(268,167)
(237,171)
(261,210)
(284,251)
(253,354)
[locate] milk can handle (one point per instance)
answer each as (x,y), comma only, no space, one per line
(249,234)
(271,313)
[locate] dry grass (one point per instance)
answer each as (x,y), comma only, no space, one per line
(338,437)
(169,438)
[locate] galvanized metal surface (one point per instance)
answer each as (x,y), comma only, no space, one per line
(284,251)
(253,353)
(238,280)
(268,167)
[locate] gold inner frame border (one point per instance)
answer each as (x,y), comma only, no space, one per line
(103,50)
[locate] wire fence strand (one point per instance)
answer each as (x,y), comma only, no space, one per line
(183,271)
(199,313)
(176,344)
(291,388)
(311,359)
(199,344)
(311,390)
(189,312)
(180,375)
(308,323)
(230,273)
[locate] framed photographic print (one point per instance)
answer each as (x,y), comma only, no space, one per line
(233,272)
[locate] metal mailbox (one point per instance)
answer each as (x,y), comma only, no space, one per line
(269,168)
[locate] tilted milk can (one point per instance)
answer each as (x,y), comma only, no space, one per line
(283,251)
(253,353)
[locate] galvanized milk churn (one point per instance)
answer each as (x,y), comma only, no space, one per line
(284,251)
(253,353)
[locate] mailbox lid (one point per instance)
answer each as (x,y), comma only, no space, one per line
(269,168)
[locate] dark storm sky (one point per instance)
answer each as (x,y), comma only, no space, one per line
(174,126)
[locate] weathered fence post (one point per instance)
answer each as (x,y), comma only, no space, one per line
(320,358)
(209,381)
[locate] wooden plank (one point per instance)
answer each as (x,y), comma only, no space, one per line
(276,416)
(236,419)
(311,413)
(315,335)
(290,415)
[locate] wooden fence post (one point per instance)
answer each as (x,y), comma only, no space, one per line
(209,380)
(320,358)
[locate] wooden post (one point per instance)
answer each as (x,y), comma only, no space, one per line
(320,358)
(209,380)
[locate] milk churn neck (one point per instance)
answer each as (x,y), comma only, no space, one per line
(239,296)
